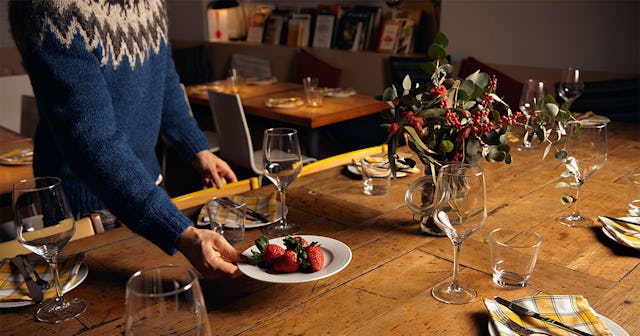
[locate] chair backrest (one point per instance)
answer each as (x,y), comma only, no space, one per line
(12,89)
(197,198)
(84,228)
(234,138)
(249,66)
(311,66)
(341,159)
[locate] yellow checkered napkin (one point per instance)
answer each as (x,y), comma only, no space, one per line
(266,205)
(13,287)
(572,310)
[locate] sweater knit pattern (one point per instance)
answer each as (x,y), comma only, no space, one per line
(120,27)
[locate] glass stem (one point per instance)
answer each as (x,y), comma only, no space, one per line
(576,212)
(283,197)
(457,248)
(53,265)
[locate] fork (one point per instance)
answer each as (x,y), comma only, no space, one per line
(515,327)
(40,281)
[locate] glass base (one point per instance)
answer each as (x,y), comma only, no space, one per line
(280,230)
(528,147)
(59,310)
(575,220)
(447,293)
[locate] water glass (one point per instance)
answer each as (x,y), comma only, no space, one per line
(165,300)
(233,81)
(513,256)
(310,82)
(376,177)
(634,194)
(228,218)
(315,97)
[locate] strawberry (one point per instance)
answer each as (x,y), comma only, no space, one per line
(271,253)
(315,257)
(295,243)
(287,263)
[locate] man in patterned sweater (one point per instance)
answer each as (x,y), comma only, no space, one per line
(106,87)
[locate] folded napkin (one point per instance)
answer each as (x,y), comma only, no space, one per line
(572,310)
(13,287)
(589,116)
(623,231)
(266,205)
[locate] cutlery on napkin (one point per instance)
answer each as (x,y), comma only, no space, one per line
(14,288)
(571,310)
(624,231)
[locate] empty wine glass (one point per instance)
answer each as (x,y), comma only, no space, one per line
(165,300)
(586,154)
(282,161)
(459,210)
(570,86)
(44,224)
(531,100)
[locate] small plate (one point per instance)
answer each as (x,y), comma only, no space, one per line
(262,81)
(613,327)
(292,102)
(337,256)
(339,92)
(356,170)
(606,222)
(83,271)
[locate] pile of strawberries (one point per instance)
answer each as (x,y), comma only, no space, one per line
(299,255)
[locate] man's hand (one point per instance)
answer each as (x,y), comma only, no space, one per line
(210,253)
(215,172)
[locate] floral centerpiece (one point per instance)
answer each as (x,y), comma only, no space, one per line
(450,119)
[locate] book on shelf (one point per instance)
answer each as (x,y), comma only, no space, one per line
(327,18)
(404,44)
(388,36)
(298,30)
(255,32)
(273,29)
(372,28)
(352,29)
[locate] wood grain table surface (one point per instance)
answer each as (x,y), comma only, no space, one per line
(386,289)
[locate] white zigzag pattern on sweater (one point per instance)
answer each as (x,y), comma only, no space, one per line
(133,31)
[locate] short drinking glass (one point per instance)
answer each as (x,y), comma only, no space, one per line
(513,256)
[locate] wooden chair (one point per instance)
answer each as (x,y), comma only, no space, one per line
(85,227)
(341,159)
(199,197)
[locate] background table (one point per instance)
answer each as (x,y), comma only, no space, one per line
(386,289)
(9,175)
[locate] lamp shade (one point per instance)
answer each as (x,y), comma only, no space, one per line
(223,4)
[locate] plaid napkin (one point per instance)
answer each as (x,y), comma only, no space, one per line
(572,310)
(266,205)
(622,231)
(13,287)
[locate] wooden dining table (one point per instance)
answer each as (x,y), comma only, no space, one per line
(334,109)
(386,288)
(10,140)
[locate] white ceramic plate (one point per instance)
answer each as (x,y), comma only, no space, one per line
(339,92)
(262,81)
(354,169)
(203,218)
(613,327)
(292,102)
(83,271)
(337,256)
(16,162)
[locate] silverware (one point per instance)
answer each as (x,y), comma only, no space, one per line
(40,281)
(250,212)
(35,291)
(514,326)
(522,311)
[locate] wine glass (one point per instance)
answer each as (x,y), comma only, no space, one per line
(282,163)
(165,300)
(531,100)
(44,224)
(587,153)
(570,86)
(459,210)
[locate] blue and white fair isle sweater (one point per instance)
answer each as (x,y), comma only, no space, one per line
(106,88)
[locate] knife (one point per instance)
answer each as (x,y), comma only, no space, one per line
(35,291)
(250,211)
(522,311)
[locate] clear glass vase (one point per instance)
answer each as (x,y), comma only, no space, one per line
(419,199)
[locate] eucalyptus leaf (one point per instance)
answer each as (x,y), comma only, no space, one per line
(437,51)
(448,68)
(468,87)
(547,150)
(550,109)
(473,146)
(563,185)
(441,39)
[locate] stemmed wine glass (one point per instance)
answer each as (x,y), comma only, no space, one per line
(587,153)
(459,210)
(531,100)
(44,224)
(570,86)
(282,163)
